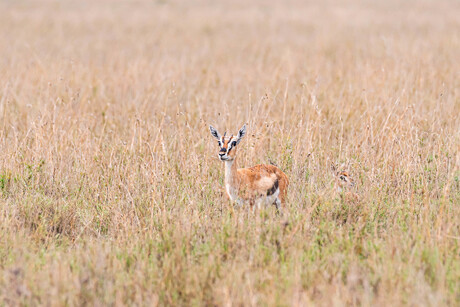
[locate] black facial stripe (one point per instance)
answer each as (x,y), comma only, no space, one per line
(229,144)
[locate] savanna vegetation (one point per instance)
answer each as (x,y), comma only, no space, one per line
(111,192)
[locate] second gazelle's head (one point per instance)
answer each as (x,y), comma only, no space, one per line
(227,144)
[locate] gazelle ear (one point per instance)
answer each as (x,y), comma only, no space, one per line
(241,133)
(214,132)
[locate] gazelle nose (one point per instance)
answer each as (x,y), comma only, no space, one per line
(222,150)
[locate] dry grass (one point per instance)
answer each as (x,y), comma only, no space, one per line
(111,192)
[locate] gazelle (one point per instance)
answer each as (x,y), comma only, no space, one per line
(342,178)
(345,184)
(258,185)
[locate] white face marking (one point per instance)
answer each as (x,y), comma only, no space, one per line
(223,155)
(230,142)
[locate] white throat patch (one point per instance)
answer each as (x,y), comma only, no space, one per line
(231,191)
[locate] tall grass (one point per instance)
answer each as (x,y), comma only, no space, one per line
(111,192)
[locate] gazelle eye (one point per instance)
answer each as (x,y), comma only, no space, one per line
(220,144)
(233,143)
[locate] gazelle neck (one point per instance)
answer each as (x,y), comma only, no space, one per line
(231,180)
(230,172)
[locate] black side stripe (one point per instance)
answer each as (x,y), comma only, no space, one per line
(273,189)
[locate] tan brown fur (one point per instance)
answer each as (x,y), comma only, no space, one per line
(345,180)
(342,178)
(258,183)
(345,184)
(252,179)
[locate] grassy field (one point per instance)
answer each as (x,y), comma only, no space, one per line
(111,192)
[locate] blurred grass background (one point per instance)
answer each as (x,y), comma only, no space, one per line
(111,192)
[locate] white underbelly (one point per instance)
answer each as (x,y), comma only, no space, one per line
(260,201)
(270,199)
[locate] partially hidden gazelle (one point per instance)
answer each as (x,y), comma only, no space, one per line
(255,186)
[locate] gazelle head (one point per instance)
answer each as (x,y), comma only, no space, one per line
(342,178)
(227,144)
